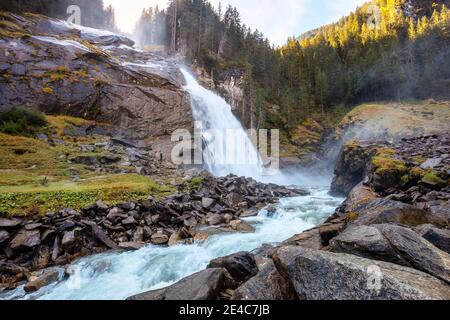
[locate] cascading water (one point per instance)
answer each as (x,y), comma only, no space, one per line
(117,275)
(228,148)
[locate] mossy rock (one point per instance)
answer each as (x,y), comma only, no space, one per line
(388,171)
(433,180)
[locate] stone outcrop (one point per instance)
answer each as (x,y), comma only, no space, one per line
(205,285)
(241,266)
(92,74)
(318,275)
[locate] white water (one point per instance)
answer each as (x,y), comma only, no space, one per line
(115,276)
(228,147)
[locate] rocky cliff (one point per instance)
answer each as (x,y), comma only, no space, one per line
(61,68)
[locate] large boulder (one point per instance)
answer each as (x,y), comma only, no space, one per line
(350,167)
(268,284)
(381,211)
(419,253)
(394,244)
(320,275)
(440,238)
(26,240)
(241,265)
(367,242)
(204,285)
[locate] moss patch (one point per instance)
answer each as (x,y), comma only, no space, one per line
(384,163)
(433,178)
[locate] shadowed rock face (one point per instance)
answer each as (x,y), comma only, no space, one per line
(205,285)
(63,69)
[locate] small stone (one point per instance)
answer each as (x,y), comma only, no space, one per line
(9,223)
(68,240)
(159,238)
(241,226)
(101,205)
(45,278)
(207,203)
(228,218)
(26,240)
(174,239)
(129,221)
(215,219)
(131,246)
(201,236)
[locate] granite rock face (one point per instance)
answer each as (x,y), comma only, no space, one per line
(92,74)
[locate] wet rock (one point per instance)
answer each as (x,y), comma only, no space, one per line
(159,238)
(43,279)
(241,265)
(26,240)
(201,236)
(268,284)
(205,285)
(320,275)
(175,239)
(241,226)
(131,246)
(431,163)
(440,238)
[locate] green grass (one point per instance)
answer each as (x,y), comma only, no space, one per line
(35,176)
(112,189)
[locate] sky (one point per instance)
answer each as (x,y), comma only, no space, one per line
(277,19)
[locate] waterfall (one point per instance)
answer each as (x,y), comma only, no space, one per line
(228,149)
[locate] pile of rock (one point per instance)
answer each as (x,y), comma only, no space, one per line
(59,238)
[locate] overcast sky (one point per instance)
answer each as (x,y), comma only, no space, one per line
(277,19)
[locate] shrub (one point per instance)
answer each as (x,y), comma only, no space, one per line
(21,121)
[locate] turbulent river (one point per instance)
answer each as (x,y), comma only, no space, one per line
(118,275)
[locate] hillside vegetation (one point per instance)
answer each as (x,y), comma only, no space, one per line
(41,173)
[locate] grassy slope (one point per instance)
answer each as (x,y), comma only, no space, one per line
(35,176)
(398,119)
